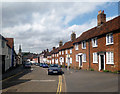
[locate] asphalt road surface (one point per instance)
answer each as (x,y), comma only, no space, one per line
(91,81)
(35,79)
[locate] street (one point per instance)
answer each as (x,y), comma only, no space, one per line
(36,79)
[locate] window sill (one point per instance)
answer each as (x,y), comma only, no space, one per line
(109,43)
(76,49)
(95,62)
(84,61)
(83,48)
(110,63)
(95,46)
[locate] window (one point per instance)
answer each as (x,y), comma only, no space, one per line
(56,61)
(83,45)
(95,58)
(109,39)
(71,60)
(84,57)
(94,42)
(59,52)
(110,58)
(57,55)
(66,51)
(76,57)
(52,61)
(76,46)
(66,60)
(71,51)
(62,52)
(3,44)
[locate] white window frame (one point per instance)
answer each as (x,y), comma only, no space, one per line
(77,58)
(83,45)
(108,39)
(59,52)
(66,51)
(109,58)
(94,44)
(83,57)
(66,60)
(70,60)
(95,57)
(70,50)
(76,46)
(62,52)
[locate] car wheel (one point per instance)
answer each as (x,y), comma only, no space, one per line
(48,73)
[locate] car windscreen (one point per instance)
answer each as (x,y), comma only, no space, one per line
(54,65)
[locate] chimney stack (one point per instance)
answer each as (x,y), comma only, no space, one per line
(47,50)
(73,36)
(60,43)
(101,17)
(53,48)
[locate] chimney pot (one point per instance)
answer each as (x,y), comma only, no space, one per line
(101,18)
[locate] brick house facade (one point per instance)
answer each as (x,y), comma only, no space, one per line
(97,48)
(101,46)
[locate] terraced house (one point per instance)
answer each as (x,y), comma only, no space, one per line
(97,48)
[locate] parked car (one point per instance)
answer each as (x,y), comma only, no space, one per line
(37,64)
(41,64)
(27,65)
(45,65)
(54,69)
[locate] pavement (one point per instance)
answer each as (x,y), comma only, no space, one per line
(90,81)
(12,72)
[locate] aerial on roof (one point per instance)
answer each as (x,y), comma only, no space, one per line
(107,27)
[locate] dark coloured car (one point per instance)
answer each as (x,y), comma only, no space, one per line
(54,69)
(41,64)
(45,65)
(37,64)
(27,65)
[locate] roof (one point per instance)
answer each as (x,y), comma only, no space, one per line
(107,27)
(67,45)
(2,37)
(10,42)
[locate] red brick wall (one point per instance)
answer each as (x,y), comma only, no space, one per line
(105,48)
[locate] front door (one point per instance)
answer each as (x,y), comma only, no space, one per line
(80,60)
(3,63)
(102,61)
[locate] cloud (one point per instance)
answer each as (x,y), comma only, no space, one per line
(38,26)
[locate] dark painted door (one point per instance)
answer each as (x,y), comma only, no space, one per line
(80,60)
(102,62)
(3,63)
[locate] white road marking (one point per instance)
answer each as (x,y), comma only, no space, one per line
(34,81)
(43,80)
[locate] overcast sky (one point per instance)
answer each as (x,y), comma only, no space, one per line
(41,25)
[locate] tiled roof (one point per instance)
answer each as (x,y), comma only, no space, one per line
(10,42)
(107,27)
(67,45)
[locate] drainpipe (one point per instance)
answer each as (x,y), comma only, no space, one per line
(89,52)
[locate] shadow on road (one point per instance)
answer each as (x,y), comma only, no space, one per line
(15,80)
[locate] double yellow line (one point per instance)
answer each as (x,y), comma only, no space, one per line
(59,89)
